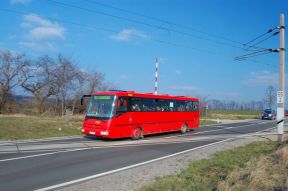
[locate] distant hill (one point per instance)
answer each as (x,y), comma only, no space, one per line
(23,97)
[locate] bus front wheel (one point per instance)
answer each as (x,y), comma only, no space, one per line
(184,128)
(137,133)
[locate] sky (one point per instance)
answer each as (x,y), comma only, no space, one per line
(196,42)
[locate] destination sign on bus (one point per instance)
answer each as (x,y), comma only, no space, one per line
(102,97)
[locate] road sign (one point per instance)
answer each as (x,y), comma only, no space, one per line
(280,97)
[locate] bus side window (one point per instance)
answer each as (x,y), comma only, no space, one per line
(180,105)
(122,105)
(135,107)
(171,106)
(135,104)
(162,105)
(195,106)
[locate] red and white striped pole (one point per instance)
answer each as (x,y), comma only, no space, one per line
(156,77)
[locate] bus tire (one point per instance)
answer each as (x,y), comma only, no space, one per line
(137,133)
(184,128)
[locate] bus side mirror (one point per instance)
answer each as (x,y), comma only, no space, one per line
(82,98)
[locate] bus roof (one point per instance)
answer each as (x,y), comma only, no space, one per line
(143,95)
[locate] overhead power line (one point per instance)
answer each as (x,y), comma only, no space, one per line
(260,36)
(254,45)
(128,11)
(158,27)
(91,27)
(162,21)
(259,39)
(256,53)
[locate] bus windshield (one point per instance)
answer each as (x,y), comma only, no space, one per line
(101,106)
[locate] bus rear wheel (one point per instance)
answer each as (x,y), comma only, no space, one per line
(137,133)
(184,128)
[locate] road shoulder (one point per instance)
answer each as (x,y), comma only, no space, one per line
(135,178)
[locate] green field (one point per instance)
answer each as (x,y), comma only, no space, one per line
(232,114)
(16,127)
(207,122)
(257,166)
(13,127)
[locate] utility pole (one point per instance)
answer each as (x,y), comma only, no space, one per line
(281,92)
(206,111)
(156,77)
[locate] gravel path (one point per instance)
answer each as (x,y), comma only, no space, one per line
(135,178)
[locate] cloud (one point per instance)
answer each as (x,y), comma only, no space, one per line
(24,2)
(123,77)
(178,72)
(130,34)
(227,95)
(40,46)
(40,33)
(41,29)
(183,90)
(263,78)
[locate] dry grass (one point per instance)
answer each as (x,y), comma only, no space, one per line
(207,122)
(224,171)
(233,114)
(269,172)
(13,127)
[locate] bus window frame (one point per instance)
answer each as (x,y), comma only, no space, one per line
(117,113)
(156,100)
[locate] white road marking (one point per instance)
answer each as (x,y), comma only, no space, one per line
(138,164)
(39,140)
(183,140)
(127,143)
(216,130)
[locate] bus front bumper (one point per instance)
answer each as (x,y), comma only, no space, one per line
(96,132)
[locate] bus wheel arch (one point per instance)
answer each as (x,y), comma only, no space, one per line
(137,133)
(184,128)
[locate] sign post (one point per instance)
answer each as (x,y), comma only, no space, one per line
(281,92)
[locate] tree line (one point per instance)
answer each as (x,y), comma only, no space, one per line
(268,101)
(55,83)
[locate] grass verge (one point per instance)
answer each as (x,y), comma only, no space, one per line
(221,172)
(16,127)
(233,114)
(207,122)
(30,127)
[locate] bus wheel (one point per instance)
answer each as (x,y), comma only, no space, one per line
(184,128)
(137,133)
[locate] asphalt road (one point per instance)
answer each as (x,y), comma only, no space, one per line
(44,165)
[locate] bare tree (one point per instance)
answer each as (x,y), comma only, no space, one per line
(95,81)
(204,101)
(90,83)
(108,86)
(10,66)
(270,96)
(69,77)
(39,79)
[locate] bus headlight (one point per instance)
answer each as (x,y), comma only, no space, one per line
(83,130)
(104,132)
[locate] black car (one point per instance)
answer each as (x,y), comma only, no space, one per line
(269,114)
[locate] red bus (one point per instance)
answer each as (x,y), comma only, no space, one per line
(119,114)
